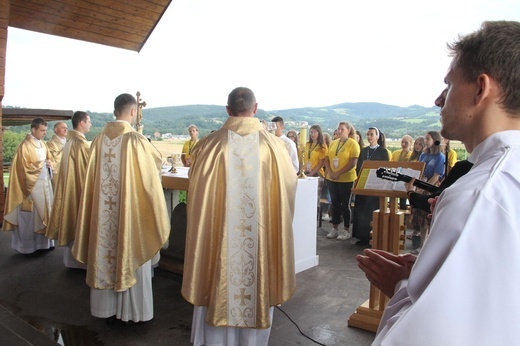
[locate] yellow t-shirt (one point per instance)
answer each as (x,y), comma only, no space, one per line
(452,158)
(312,155)
(187,148)
(343,152)
(399,156)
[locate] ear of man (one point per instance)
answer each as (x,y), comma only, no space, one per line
(487,89)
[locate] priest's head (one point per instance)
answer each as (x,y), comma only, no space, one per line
(125,108)
(60,129)
(39,128)
(81,122)
(241,103)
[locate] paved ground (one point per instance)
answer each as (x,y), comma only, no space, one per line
(54,299)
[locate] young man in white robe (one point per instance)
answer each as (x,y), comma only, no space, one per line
(122,220)
(291,146)
(29,193)
(463,287)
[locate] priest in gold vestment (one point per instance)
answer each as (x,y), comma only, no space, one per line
(239,260)
(69,185)
(122,220)
(29,193)
(55,146)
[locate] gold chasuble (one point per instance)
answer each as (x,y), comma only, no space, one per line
(26,169)
(71,178)
(55,146)
(122,219)
(239,257)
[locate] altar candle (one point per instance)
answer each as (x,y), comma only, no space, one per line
(303,135)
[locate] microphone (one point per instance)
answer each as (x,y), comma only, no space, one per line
(437,143)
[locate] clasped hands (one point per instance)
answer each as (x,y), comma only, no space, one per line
(333,175)
(384,269)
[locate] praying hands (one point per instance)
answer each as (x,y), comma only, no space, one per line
(384,270)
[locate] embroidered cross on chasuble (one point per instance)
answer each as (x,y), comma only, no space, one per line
(242,229)
(108,212)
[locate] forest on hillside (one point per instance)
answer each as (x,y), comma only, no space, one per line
(394,121)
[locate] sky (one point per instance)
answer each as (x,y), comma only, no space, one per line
(291,53)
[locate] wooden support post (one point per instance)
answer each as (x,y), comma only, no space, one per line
(4,23)
(387,224)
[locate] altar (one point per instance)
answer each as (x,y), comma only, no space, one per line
(304,221)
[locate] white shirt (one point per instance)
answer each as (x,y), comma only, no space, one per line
(463,288)
(293,152)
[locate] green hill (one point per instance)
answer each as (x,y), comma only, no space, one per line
(394,121)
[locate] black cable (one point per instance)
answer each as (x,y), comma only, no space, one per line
(302,333)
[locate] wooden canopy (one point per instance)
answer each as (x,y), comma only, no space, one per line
(22,116)
(124,24)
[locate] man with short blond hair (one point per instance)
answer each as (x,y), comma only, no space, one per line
(291,146)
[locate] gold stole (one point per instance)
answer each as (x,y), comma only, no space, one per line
(42,193)
(242,228)
(108,212)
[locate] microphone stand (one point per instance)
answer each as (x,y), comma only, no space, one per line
(446,159)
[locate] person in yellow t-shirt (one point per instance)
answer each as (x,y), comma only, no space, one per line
(405,152)
(188,145)
(340,172)
(452,154)
(315,153)
(314,156)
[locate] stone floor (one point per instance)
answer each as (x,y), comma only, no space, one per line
(55,300)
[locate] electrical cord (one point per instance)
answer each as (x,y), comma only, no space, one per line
(302,333)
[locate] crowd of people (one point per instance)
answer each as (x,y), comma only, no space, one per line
(338,160)
(338,163)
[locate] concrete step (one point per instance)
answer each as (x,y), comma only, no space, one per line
(14,331)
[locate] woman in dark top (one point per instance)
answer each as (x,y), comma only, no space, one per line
(365,205)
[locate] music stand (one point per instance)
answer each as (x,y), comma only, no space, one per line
(386,232)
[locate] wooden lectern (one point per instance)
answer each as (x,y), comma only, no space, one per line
(386,231)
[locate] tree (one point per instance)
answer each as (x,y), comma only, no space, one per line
(10,142)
